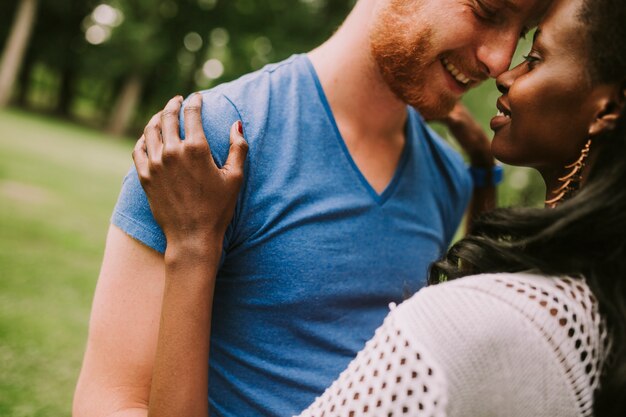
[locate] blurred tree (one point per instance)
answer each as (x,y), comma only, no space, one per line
(62,41)
(117,61)
(165,48)
(55,50)
(136,46)
(15,48)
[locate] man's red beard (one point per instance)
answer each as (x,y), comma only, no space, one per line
(403,62)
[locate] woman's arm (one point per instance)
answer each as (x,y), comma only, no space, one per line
(193,201)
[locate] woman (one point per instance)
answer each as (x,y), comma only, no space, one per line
(536,326)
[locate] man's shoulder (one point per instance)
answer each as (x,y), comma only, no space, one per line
(439,152)
(447,172)
(437,144)
(247,99)
(253,89)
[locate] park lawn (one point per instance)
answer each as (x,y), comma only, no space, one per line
(58,185)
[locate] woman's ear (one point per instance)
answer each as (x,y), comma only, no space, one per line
(610,103)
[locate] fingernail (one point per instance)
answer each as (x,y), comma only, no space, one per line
(240,127)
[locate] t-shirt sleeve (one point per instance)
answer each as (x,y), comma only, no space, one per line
(457,182)
(132,212)
(463,188)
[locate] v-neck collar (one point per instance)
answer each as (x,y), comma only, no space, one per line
(381,198)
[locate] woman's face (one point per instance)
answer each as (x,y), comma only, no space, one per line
(547,105)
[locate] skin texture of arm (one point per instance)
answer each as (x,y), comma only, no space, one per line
(193,201)
(180,375)
(149,332)
(123,330)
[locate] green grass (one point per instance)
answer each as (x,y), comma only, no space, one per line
(58,185)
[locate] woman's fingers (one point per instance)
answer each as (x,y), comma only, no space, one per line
(140,158)
(169,121)
(194,134)
(237,153)
(160,146)
(154,142)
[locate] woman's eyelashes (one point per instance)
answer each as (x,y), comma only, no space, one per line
(532,59)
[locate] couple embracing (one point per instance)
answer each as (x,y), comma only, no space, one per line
(242,276)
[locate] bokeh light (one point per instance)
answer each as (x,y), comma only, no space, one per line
(213,69)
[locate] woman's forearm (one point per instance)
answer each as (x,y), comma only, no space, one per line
(180,375)
(193,200)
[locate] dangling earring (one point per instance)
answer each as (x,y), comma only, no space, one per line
(571,181)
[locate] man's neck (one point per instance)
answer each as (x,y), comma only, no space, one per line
(361,101)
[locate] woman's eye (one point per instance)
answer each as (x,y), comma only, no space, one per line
(531,60)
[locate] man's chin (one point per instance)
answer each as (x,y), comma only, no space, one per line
(433,109)
(432,103)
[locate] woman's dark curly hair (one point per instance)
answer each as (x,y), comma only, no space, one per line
(584,236)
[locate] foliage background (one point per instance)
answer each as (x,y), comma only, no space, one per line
(92,73)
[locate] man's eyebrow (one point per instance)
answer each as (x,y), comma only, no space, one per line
(536,35)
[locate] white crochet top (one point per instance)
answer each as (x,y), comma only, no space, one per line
(487,345)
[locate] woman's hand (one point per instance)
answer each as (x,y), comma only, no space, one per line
(193,201)
(191,198)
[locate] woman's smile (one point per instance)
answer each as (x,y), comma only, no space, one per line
(502,118)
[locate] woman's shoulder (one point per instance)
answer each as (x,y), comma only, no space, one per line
(477,346)
(562,309)
(566,299)
(534,321)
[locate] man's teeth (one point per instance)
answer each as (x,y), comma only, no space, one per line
(458,75)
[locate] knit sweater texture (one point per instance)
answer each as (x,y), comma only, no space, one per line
(511,345)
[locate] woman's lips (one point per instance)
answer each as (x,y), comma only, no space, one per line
(499,120)
(503,117)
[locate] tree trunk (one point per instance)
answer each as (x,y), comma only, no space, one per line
(24,80)
(66,91)
(125,105)
(16,47)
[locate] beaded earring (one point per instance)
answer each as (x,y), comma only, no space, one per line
(571,181)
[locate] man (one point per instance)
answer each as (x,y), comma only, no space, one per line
(347,198)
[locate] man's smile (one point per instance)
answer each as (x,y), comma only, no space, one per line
(455,72)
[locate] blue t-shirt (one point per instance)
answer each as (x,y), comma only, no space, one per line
(313,255)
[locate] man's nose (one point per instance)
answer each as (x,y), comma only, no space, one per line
(496,51)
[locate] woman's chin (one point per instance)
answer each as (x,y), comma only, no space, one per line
(507,154)
(501,149)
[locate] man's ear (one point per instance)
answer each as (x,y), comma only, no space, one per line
(610,104)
